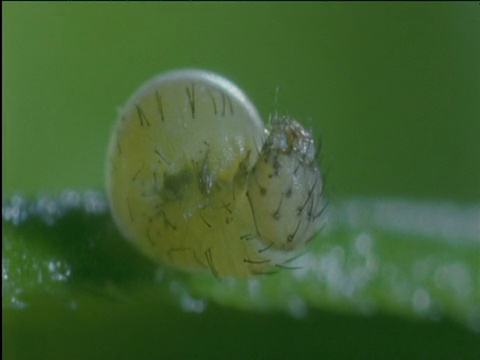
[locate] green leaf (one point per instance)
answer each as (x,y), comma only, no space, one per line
(377,261)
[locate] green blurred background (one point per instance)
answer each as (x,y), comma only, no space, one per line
(392,89)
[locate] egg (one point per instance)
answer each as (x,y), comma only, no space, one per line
(195,179)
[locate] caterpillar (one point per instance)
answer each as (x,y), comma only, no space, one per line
(196,180)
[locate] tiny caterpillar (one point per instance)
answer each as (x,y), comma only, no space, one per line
(195,180)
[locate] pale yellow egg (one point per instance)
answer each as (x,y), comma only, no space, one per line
(196,181)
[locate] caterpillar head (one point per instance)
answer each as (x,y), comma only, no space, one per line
(285,186)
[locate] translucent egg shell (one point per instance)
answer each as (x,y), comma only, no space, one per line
(195,180)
